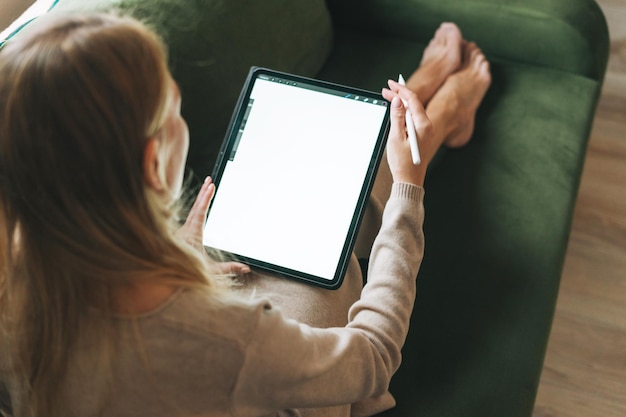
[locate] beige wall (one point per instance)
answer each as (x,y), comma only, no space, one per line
(11,10)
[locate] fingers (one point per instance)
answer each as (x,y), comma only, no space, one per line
(418,113)
(399,156)
(231,268)
(397,114)
(192,229)
(397,120)
(412,102)
(200,207)
(388,94)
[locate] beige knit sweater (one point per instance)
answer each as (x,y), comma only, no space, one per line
(276,347)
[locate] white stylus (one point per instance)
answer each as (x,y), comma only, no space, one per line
(410,127)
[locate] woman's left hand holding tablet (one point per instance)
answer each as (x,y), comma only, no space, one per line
(193,228)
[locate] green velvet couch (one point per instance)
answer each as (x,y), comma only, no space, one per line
(499,210)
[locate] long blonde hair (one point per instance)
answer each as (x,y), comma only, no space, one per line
(79,98)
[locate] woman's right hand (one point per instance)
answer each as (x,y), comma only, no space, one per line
(398,148)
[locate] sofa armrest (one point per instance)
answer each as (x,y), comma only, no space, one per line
(568,35)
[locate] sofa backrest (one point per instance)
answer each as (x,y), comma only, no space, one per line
(212,45)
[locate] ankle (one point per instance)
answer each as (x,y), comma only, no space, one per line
(444,115)
(423,92)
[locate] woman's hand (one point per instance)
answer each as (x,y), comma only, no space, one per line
(398,147)
(192,230)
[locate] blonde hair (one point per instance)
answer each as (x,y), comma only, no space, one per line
(79,99)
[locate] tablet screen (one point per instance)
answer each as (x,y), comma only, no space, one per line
(294,174)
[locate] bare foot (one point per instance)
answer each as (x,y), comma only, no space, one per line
(461,94)
(441,58)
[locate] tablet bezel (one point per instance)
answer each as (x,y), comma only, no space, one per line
(230,141)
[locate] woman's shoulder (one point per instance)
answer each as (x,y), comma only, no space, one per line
(221,314)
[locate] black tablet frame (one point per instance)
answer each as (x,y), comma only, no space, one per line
(230,142)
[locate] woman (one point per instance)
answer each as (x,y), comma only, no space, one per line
(107,309)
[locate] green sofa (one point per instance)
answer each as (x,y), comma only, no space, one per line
(499,210)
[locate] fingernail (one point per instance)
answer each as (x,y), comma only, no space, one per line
(396,102)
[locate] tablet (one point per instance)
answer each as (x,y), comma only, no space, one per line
(294,174)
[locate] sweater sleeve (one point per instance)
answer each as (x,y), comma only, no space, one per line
(291,365)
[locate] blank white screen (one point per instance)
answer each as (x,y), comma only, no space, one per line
(289,195)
